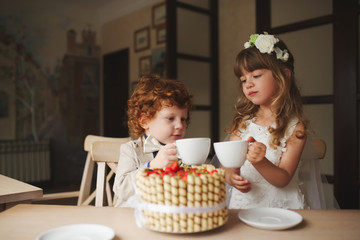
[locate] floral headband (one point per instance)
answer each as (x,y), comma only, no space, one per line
(265,43)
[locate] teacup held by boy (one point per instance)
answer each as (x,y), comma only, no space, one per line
(193,151)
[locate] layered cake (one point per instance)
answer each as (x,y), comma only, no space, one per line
(182,199)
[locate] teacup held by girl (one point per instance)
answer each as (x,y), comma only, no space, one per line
(231,154)
(193,151)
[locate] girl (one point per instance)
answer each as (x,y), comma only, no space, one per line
(158,115)
(269,113)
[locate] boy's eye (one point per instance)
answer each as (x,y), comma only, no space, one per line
(171,118)
(257,76)
(183,119)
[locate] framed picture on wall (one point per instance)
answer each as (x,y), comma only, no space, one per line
(158,61)
(159,14)
(142,39)
(145,65)
(161,34)
(133,86)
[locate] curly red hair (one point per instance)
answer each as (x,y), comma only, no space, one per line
(151,94)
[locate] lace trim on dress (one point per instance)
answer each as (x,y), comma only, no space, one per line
(261,134)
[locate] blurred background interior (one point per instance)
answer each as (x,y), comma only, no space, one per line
(68,67)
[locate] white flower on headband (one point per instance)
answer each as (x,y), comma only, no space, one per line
(265,44)
(247,45)
(280,54)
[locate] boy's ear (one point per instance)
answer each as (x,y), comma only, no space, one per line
(143,121)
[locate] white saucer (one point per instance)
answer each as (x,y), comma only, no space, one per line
(79,232)
(270,218)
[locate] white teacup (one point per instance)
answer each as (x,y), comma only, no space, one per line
(231,154)
(193,151)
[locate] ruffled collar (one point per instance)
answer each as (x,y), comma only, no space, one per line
(273,125)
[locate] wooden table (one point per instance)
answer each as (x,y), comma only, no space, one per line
(27,221)
(13,192)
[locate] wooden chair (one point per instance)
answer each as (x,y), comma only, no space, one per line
(57,195)
(104,151)
(83,195)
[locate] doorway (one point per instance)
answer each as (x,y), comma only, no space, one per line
(116,85)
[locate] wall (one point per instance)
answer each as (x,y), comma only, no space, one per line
(118,34)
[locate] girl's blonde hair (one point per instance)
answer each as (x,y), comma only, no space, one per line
(150,96)
(286,105)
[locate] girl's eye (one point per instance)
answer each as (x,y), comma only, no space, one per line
(183,119)
(243,80)
(171,118)
(257,76)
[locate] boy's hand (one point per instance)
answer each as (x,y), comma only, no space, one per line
(232,177)
(165,157)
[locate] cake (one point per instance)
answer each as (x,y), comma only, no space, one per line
(182,199)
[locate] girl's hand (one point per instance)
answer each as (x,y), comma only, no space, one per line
(165,157)
(256,151)
(232,177)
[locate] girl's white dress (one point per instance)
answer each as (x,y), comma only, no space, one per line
(263,194)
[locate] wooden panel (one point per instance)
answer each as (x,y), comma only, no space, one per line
(196,76)
(199,3)
(193,36)
(193,33)
(200,124)
(345,109)
(297,11)
(321,122)
(313,64)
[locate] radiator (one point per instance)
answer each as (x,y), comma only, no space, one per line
(27,161)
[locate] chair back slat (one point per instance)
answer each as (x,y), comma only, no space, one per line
(90,139)
(320,148)
(103,151)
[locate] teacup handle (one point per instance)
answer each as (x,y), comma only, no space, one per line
(177,152)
